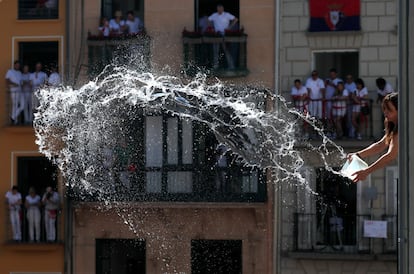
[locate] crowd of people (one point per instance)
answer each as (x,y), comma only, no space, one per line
(33,204)
(119,26)
(339,104)
(22,86)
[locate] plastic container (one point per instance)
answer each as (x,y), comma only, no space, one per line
(350,167)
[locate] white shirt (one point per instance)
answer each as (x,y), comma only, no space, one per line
(351,87)
(298,92)
(315,87)
(221,21)
(387,90)
(38,79)
(26,82)
(330,90)
(15,76)
(116,27)
(361,93)
(54,79)
(33,201)
(133,26)
(105,30)
(13,198)
(53,202)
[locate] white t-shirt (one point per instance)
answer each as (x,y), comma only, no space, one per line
(221,21)
(15,76)
(13,198)
(54,79)
(351,87)
(133,26)
(387,89)
(26,82)
(315,86)
(105,30)
(38,79)
(116,27)
(33,201)
(330,90)
(299,92)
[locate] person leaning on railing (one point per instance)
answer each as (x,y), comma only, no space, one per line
(32,204)
(389,141)
(51,201)
(14,201)
(13,81)
(359,97)
(339,108)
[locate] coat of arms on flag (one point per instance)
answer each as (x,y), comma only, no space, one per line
(334,15)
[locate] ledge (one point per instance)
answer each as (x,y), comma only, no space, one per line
(178,205)
(330,256)
(31,247)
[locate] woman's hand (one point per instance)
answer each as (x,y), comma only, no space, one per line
(349,156)
(360,175)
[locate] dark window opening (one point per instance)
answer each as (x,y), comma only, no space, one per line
(344,62)
(120,256)
(42,9)
(216,256)
(45,52)
(336,210)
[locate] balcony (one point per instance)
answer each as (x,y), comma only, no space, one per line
(24,228)
(314,233)
(215,55)
(132,50)
(335,117)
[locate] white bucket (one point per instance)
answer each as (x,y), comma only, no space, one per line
(350,167)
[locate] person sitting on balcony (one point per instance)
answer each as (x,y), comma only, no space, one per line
(27,95)
(51,202)
(316,88)
(37,80)
(389,141)
(32,204)
(384,88)
(359,97)
(104,29)
(117,25)
(222,21)
(133,23)
(54,79)
(339,108)
(14,200)
(13,80)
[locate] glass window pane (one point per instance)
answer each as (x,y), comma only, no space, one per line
(180,182)
(172,141)
(187,142)
(153,141)
(153,182)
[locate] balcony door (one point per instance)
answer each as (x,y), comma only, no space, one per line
(345,62)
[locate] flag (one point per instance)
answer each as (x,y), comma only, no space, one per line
(334,15)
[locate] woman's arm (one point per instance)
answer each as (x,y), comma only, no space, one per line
(383,161)
(373,149)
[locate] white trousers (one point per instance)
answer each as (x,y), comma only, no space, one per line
(33,218)
(17,104)
(15,224)
(50,226)
(28,110)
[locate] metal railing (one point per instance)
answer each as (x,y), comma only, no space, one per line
(335,116)
(333,234)
(25,226)
(214,54)
(391,242)
(29,9)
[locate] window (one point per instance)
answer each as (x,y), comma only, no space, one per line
(345,62)
(120,256)
(208,7)
(216,256)
(109,7)
(43,9)
(45,52)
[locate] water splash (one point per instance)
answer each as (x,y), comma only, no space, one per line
(77,127)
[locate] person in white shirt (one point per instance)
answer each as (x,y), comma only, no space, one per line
(27,95)
(14,201)
(32,204)
(384,88)
(316,89)
(330,88)
(222,21)
(350,87)
(37,80)
(54,77)
(13,80)
(133,23)
(51,202)
(104,28)
(299,95)
(339,106)
(359,98)
(117,25)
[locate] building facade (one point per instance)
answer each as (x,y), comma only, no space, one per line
(30,33)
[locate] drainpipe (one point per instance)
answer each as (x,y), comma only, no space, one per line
(68,264)
(277,191)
